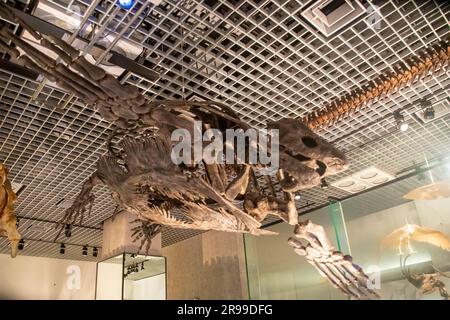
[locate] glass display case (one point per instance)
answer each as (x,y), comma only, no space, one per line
(131,277)
(358,226)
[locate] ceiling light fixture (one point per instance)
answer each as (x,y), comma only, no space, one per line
(68,230)
(400,121)
(363,180)
(84,252)
(125,4)
(62,248)
(428,110)
(95,252)
(297,196)
(21,244)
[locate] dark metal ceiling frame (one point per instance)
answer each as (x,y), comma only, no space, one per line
(111,56)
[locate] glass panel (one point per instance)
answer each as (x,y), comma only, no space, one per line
(144,277)
(368,233)
(276,272)
(339,227)
(109,279)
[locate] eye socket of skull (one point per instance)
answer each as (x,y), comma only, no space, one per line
(309,142)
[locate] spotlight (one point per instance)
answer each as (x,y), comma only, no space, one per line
(125,4)
(428,110)
(62,248)
(297,196)
(84,252)
(21,244)
(324,184)
(95,252)
(142,265)
(400,120)
(68,230)
(428,113)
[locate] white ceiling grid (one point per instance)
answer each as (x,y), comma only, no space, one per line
(261,58)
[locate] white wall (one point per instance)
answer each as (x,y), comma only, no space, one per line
(109,281)
(46,279)
(153,288)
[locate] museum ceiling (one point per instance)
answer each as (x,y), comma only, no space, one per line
(264,59)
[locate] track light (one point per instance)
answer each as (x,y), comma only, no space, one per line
(62,248)
(297,196)
(84,252)
(428,110)
(428,113)
(125,4)
(21,244)
(400,121)
(68,230)
(142,265)
(95,252)
(324,184)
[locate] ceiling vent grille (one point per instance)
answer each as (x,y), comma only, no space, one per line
(329,16)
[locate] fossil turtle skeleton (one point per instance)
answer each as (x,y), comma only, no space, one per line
(225,197)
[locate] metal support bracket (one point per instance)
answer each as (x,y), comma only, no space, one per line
(114,57)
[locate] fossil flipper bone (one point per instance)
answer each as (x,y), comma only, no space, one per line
(342,273)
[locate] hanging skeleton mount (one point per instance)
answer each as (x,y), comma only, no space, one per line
(224,196)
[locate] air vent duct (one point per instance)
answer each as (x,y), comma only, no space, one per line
(329,16)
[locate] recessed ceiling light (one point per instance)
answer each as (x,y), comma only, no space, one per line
(346,183)
(362,180)
(368,175)
(358,188)
(380,180)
